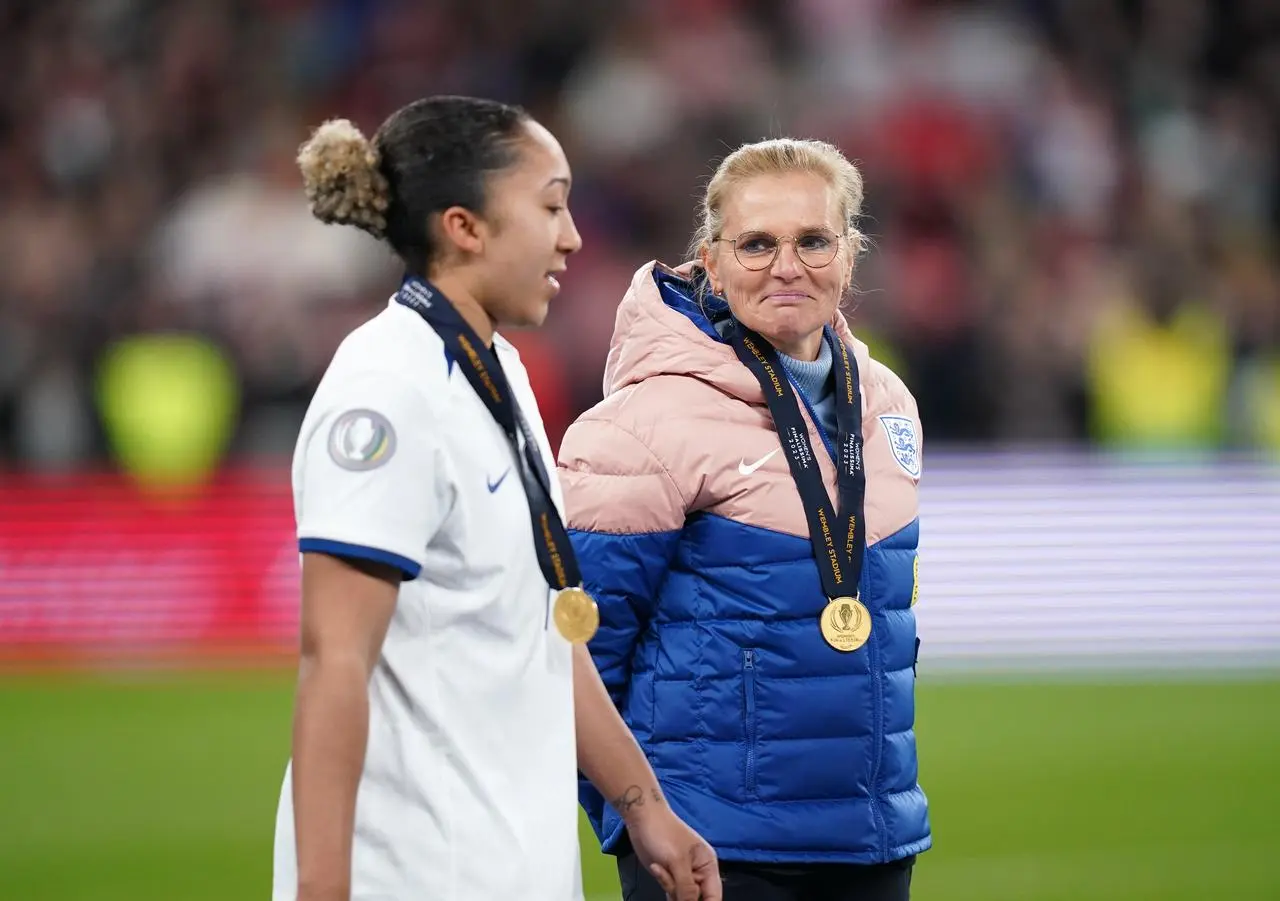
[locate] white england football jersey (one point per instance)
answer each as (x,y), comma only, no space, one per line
(469,788)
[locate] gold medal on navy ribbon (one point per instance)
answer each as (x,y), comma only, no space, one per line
(846,624)
(576,615)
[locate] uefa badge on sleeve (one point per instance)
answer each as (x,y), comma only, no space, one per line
(361,440)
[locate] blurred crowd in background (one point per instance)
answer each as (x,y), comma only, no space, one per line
(1073,205)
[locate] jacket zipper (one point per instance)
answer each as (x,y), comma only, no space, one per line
(877,674)
(749,699)
(813,417)
(877,732)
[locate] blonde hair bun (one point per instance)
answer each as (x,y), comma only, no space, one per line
(342,180)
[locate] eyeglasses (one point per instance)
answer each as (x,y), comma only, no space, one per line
(758,250)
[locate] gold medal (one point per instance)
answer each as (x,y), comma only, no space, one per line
(846,624)
(576,614)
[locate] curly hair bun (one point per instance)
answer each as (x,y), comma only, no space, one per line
(341,177)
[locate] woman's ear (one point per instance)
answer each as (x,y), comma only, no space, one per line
(708,262)
(460,227)
(851,264)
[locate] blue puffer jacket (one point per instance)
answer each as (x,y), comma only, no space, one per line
(771,744)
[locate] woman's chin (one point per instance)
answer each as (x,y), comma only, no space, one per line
(790,328)
(531,314)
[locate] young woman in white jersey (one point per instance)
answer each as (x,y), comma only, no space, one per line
(446,700)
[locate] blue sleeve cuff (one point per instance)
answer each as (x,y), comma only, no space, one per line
(592,804)
(409,570)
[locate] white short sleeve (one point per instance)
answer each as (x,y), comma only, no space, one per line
(368,474)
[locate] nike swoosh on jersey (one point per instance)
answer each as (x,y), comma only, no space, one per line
(746,469)
(494,486)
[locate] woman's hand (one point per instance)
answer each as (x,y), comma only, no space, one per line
(680,859)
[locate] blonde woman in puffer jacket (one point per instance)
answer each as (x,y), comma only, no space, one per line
(744,504)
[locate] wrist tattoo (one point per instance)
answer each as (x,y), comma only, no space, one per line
(632,797)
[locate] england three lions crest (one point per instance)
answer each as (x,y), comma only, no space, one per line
(904,442)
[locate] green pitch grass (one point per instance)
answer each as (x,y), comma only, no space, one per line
(151,790)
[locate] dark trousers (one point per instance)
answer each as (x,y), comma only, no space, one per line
(768,882)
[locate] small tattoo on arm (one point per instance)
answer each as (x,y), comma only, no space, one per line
(657,796)
(632,797)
